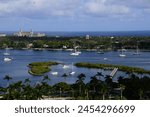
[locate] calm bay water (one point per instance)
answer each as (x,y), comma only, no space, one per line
(91,33)
(18,69)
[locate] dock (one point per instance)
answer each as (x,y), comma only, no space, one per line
(112,74)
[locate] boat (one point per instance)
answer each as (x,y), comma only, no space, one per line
(7,59)
(75,53)
(65,66)
(78,52)
(54,73)
(6,52)
(100,52)
(72,72)
(122,54)
(100,49)
(137,51)
(105,59)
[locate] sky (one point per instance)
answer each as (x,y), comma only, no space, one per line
(75,15)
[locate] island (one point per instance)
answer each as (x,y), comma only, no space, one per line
(39,68)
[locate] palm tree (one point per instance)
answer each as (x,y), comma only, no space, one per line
(141,93)
(16,90)
(8,78)
(28,92)
(65,76)
(46,78)
(80,82)
(8,89)
(122,87)
(38,91)
(108,80)
(27,81)
(128,73)
(104,90)
(99,74)
(94,82)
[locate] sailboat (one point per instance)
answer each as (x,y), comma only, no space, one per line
(100,50)
(6,52)
(72,72)
(122,54)
(65,66)
(75,53)
(137,51)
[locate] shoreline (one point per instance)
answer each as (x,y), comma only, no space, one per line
(60,49)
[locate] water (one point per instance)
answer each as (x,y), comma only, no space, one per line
(91,33)
(18,68)
(99,33)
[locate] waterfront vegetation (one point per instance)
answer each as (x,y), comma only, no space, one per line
(129,87)
(39,68)
(102,42)
(110,66)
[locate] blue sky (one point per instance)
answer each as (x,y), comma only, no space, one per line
(75,15)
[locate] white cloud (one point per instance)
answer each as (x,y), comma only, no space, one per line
(102,9)
(37,7)
(67,8)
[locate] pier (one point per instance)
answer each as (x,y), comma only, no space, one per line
(112,74)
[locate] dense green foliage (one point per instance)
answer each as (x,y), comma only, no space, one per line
(110,66)
(100,87)
(39,68)
(103,42)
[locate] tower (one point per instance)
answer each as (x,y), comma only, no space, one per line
(31,32)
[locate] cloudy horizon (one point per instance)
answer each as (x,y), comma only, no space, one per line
(75,15)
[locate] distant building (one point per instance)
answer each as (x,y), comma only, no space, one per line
(30,45)
(28,34)
(2,35)
(87,37)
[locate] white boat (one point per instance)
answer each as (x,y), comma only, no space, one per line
(6,52)
(78,52)
(100,52)
(72,72)
(105,59)
(6,59)
(137,51)
(54,73)
(65,67)
(74,54)
(122,54)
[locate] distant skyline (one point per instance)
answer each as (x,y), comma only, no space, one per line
(75,15)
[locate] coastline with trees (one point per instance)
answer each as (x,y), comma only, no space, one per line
(105,43)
